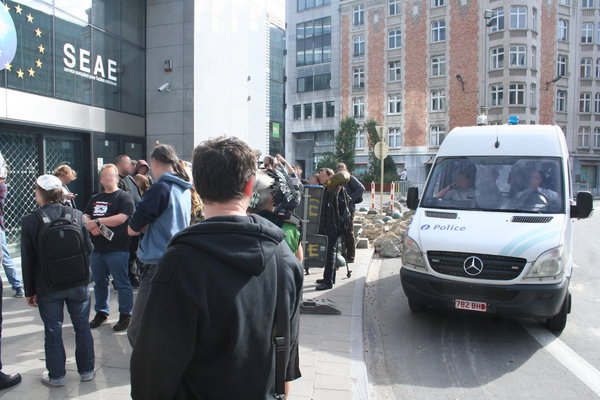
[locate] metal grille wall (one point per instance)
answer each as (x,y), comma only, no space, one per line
(21,154)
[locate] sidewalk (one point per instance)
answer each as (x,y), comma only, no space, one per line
(331,357)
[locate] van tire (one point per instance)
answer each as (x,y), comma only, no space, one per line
(416,306)
(558,322)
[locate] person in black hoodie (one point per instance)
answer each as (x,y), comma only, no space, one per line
(208,326)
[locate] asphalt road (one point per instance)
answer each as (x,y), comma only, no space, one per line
(451,355)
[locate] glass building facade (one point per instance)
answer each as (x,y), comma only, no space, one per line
(89,53)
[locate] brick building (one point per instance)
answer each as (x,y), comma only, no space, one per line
(423,67)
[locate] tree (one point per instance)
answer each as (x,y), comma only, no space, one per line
(345,142)
(327,160)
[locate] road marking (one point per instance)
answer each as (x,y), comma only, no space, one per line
(582,369)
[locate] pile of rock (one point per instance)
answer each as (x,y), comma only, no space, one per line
(385,231)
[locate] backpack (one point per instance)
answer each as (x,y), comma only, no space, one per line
(62,250)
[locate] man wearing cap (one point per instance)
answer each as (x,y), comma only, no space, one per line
(50,299)
(9,266)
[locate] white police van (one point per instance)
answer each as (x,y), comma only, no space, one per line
(493,230)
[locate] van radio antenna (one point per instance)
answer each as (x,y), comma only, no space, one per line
(497,144)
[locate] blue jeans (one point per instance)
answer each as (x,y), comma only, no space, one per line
(116,264)
(51,307)
(9,266)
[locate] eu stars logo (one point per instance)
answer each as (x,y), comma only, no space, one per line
(8,38)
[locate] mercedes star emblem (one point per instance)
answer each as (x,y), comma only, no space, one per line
(473,266)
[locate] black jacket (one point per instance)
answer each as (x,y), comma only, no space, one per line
(33,280)
(355,190)
(207,329)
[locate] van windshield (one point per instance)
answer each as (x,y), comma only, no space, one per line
(508,184)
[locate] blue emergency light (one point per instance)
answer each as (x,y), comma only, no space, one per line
(513,120)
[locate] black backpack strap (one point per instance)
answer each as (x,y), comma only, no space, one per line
(280,339)
(43,216)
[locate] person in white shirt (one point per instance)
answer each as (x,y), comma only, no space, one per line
(404,175)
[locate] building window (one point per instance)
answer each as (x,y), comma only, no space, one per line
(583,137)
(308,111)
(585,102)
(297,112)
(585,69)
(329,109)
(358,14)
(325,138)
(358,77)
(394,39)
(394,7)
(437,133)
(394,137)
(395,71)
(497,21)
(561,100)
(561,65)
(358,107)
(308,4)
(516,94)
(319,110)
(497,95)
(564,2)
(316,82)
(563,30)
(598,34)
(518,17)
(438,66)
(533,57)
(359,46)
(438,3)
(313,42)
(361,139)
(597,103)
(438,100)
(596,138)
(394,104)
(497,58)
(587,32)
(532,95)
(587,3)
(517,56)
(438,31)
(534,19)
(597,68)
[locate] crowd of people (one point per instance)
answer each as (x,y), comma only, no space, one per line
(214,249)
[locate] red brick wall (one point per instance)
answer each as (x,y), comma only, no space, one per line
(346,38)
(376,42)
(464,60)
(547,66)
(415,73)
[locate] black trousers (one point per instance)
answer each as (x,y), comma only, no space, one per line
(330,261)
(134,242)
(349,241)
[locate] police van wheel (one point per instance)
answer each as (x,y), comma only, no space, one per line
(416,307)
(558,322)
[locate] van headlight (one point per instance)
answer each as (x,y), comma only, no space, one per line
(548,265)
(412,257)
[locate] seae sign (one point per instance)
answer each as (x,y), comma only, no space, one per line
(80,62)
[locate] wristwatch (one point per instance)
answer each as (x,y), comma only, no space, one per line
(98,222)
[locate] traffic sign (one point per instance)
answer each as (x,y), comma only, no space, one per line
(381,150)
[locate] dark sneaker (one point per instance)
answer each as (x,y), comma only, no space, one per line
(135,282)
(123,323)
(320,280)
(19,293)
(9,380)
(98,320)
(323,286)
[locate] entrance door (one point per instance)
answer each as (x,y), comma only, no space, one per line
(60,151)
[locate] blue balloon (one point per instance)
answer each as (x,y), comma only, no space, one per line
(8,38)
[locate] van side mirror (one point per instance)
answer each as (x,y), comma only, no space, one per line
(583,206)
(412,198)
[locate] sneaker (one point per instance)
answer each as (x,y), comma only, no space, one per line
(88,376)
(123,323)
(19,293)
(135,282)
(98,320)
(52,382)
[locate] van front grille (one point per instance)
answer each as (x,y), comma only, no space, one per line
(494,267)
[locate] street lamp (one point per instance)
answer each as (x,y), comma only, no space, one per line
(487,15)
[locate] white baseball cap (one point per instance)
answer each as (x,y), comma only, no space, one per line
(3,171)
(49,182)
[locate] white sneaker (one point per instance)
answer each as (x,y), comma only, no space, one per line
(52,382)
(88,376)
